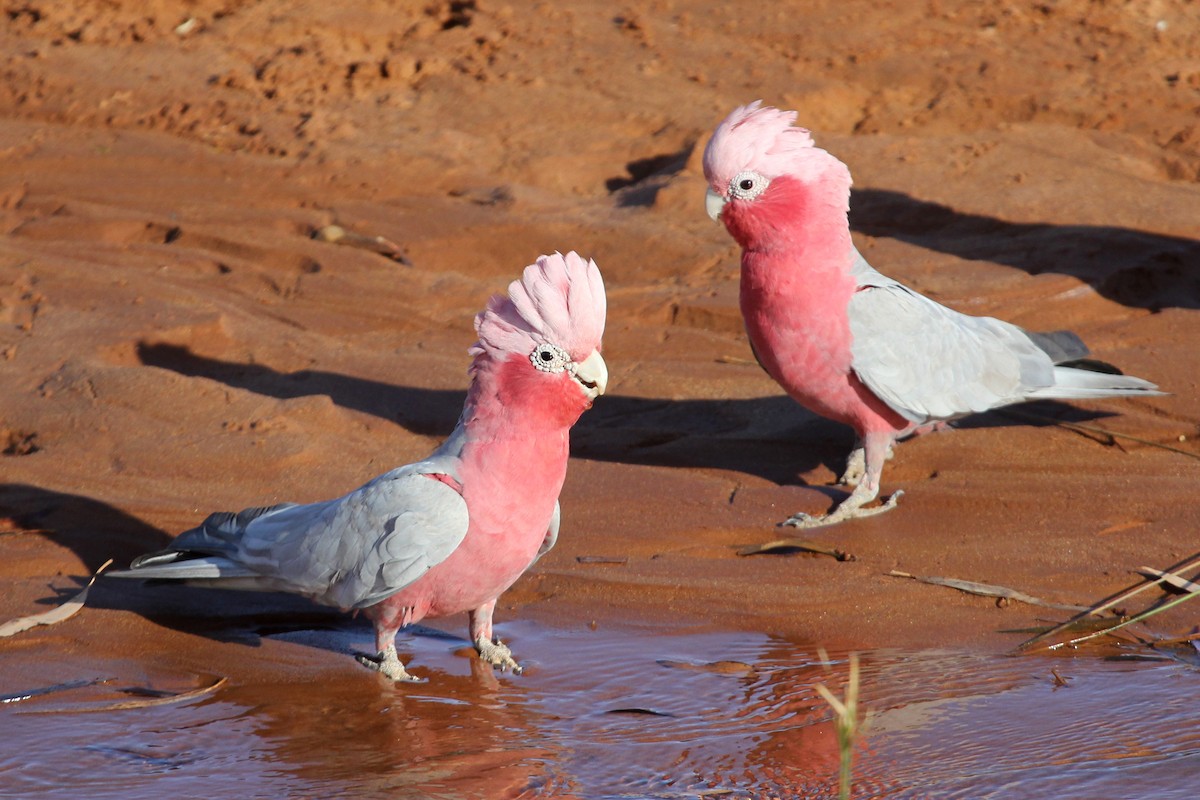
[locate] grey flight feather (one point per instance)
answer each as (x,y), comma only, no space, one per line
(928,362)
(350,552)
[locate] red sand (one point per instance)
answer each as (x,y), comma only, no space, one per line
(174,341)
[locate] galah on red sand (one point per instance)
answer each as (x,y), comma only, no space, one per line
(450,533)
(849,343)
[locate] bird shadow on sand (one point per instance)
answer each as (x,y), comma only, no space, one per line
(770,437)
(1135,268)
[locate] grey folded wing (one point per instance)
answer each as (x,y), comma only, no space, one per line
(350,552)
(551,534)
(928,362)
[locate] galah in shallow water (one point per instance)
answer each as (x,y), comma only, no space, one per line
(845,341)
(452,532)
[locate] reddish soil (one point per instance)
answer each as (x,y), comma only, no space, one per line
(173,340)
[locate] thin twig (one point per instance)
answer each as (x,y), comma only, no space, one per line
(1079,427)
(986,590)
(796,543)
(145,702)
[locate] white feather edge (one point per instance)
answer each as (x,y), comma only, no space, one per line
(207,567)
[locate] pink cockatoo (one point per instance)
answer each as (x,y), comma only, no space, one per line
(452,532)
(845,341)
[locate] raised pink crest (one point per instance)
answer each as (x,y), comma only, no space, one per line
(756,137)
(559,299)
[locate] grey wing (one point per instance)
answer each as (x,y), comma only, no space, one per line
(551,534)
(929,362)
(354,551)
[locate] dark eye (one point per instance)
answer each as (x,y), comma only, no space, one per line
(549,358)
(748,185)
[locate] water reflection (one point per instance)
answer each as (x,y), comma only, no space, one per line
(628,713)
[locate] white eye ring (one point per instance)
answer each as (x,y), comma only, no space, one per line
(748,185)
(549,358)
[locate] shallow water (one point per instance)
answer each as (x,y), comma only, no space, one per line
(624,712)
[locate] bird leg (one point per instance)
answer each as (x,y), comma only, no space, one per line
(856,465)
(387,664)
(388,621)
(491,649)
(876,449)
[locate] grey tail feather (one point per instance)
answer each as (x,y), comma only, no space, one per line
(217,536)
(1080,383)
(1091,365)
(1066,349)
(185,568)
(1061,346)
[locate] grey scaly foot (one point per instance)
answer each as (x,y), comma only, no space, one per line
(856,467)
(839,514)
(496,653)
(387,664)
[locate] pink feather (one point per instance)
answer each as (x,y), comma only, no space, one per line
(559,299)
(759,138)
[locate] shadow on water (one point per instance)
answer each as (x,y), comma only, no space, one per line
(635,713)
(1133,268)
(770,437)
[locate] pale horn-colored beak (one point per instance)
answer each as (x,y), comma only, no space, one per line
(713,204)
(592,375)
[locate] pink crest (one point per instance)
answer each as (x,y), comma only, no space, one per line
(759,138)
(559,299)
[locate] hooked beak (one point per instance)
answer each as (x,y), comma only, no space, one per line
(713,204)
(592,375)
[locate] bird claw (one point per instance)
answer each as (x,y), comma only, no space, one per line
(496,653)
(389,666)
(839,514)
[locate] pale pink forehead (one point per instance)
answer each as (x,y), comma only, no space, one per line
(559,299)
(758,138)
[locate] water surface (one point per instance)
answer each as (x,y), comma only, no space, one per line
(622,713)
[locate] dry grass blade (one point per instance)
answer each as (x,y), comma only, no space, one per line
(845,723)
(1095,430)
(142,702)
(55,615)
(1170,578)
(1125,623)
(987,590)
(794,543)
(617,560)
(1111,601)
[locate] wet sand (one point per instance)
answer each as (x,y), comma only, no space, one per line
(173,340)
